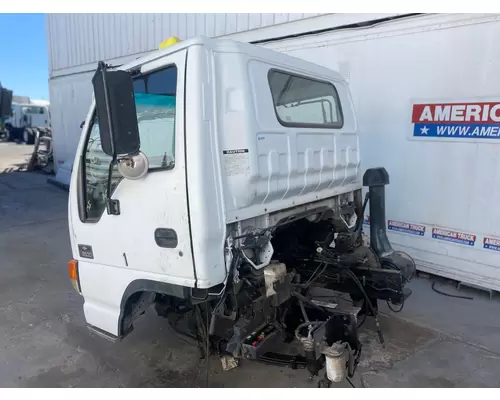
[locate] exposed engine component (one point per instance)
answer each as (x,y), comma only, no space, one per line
(274,275)
(337,358)
(269,311)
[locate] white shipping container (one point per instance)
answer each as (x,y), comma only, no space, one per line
(441,191)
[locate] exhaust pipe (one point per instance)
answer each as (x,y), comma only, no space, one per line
(376,179)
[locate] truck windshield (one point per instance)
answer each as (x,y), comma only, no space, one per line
(33,110)
(155,99)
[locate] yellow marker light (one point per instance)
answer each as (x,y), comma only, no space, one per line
(73,274)
(169,42)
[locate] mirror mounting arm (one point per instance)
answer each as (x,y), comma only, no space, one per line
(112,205)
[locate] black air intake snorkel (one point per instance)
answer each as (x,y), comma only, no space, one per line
(376,179)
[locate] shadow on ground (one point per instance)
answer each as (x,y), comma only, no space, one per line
(14,168)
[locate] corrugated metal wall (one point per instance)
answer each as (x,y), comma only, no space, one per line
(78,39)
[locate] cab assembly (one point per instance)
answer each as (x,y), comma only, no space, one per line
(220,183)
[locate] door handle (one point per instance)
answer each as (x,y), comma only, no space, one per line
(166,237)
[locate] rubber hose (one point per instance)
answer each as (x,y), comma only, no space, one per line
(304,324)
(456,296)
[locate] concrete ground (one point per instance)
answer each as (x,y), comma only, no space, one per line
(435,342)
(14,156)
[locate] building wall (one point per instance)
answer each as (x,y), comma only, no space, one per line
(76,42)
(79,39)
(70,97)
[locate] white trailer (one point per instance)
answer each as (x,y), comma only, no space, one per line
(424,88)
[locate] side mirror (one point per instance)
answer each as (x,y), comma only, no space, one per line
(116,112)
(82,124)
(5,102)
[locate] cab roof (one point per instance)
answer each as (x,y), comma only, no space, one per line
(222,45)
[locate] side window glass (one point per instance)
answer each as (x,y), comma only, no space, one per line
(155,99)
(156,104)
(302,101)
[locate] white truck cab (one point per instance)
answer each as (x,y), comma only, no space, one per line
(214,170)
(26,119)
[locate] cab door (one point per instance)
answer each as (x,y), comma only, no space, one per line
(150,239)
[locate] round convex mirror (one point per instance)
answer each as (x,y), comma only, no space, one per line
(134,167)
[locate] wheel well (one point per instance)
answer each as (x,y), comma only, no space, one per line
(135,306)
(139,296)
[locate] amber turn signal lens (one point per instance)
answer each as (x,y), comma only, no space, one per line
(73,274)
